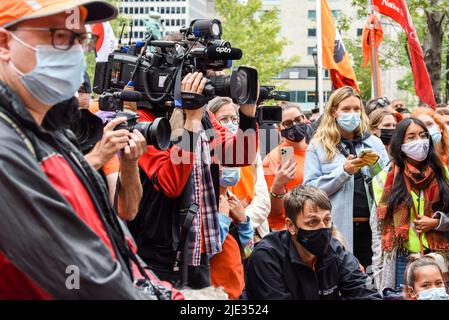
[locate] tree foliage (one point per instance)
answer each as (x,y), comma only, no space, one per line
(257,33)
(431,19)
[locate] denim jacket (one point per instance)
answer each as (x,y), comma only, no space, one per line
(330,177)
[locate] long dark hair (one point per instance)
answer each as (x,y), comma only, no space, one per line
(399,194)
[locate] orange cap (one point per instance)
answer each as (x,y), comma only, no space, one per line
(14,11)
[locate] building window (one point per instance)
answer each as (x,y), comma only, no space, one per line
(311,14)
(298,96)
(359,32)
(310,50)
(311,32)
(293,75)
(336,13)
(310,96)
(311,73)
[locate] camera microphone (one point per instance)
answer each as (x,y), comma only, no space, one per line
(223,53)
(128,95)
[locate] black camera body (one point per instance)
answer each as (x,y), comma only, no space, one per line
(155,69)
(156,133)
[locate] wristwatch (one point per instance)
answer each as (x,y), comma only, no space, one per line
(277,196)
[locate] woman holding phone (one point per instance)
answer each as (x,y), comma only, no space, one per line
(342,159)
(283,166)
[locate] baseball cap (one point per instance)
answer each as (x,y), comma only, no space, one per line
(15,11)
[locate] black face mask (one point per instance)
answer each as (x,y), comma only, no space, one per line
(315,241)
(385,135)
(296,133)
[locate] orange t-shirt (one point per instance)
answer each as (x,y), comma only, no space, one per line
(270,165)
(244,190)
(226,268)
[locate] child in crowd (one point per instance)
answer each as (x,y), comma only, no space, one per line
(424,279)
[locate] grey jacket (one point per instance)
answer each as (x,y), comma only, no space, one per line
(330,177)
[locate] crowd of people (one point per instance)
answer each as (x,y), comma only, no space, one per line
(352,204)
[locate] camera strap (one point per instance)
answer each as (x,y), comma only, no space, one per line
(177,90)
(185,229)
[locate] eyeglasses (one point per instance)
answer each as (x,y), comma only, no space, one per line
(225,119)
(290,123)
(64,39)
(415,137)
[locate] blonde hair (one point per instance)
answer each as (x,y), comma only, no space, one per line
(328,133)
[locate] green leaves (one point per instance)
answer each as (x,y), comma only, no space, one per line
(257,33)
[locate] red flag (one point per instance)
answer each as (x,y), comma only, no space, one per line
(335,57)
(398,11)
(106,43)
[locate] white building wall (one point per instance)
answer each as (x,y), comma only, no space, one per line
(174,14)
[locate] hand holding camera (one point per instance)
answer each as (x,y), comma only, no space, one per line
(136,147)
(111,142)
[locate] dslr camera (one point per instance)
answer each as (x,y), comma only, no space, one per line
(156,133)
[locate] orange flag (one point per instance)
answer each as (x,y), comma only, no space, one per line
(335,57)
(366,45)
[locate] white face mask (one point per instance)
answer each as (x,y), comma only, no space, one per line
(416,150)
(57,75)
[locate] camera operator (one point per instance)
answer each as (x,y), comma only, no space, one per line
(115,154)
(57,221)
(172,186)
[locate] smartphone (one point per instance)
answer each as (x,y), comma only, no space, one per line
(287,153)
(365,151)
(229,194)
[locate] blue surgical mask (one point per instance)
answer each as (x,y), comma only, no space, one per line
(433,294)
(349,121)
(229,176)
(57,75)
(232,127)
(436,134)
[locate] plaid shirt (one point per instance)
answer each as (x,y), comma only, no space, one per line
(204,195)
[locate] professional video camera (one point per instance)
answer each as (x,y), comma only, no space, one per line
(156,68)
(156,133)
(270,114)
(268,93)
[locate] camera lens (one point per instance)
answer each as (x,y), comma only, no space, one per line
(156,133)
(240,86)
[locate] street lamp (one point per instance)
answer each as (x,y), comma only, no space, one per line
(315,61)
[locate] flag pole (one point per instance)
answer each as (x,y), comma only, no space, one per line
(319,46)
(375,90)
